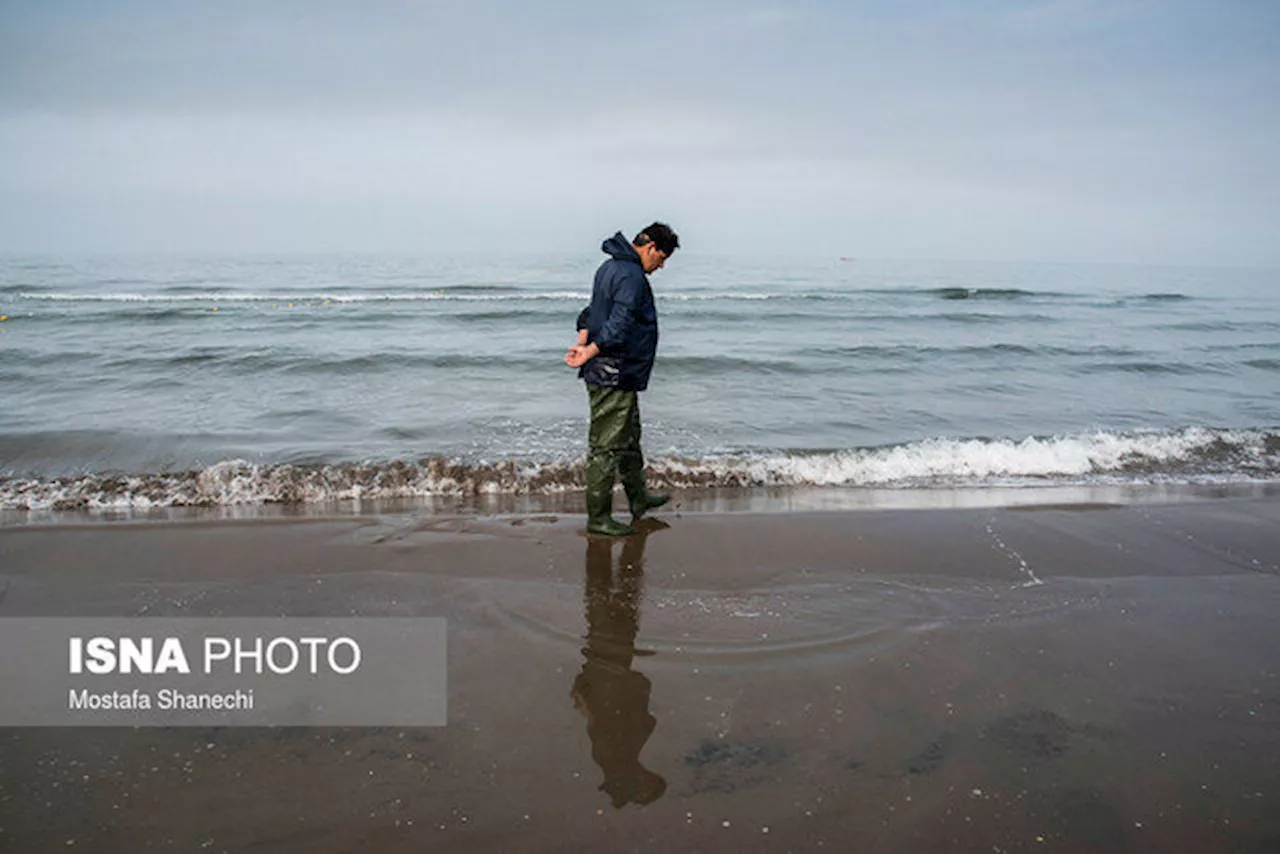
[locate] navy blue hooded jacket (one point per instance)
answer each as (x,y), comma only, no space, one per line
(621,320)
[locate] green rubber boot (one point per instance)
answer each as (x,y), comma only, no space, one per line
(651,501)
(631,471)
(600,469)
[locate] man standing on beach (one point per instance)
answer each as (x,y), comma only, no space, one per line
(617,342)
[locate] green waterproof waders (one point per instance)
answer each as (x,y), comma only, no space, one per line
(614,448)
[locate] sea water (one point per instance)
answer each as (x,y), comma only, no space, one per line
(172,380)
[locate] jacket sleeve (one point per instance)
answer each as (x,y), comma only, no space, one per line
(618,328)
(584,318)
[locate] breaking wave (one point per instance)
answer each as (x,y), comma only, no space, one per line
(286,297)
(1189,455)
(499,293)
(986,293)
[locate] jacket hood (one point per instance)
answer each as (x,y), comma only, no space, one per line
(620,248)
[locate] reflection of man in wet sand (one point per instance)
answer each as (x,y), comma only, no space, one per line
(610,695)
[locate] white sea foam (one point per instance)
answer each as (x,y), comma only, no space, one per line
(1191,455)
(979,460)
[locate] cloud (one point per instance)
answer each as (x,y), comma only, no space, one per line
(771,17)
(991,128)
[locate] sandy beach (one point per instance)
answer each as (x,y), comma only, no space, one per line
(1063,676)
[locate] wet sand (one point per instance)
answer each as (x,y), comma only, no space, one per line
(1063,677)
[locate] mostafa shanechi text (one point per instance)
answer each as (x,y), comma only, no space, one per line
(166,699)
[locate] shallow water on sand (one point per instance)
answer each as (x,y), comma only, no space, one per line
(1069,678)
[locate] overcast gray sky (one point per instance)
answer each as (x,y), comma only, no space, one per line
(1110,130)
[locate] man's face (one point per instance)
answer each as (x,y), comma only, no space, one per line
(651,257)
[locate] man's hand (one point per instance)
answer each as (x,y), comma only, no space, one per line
(582,337)
(579,355)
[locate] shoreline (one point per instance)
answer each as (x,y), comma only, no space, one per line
(782,499)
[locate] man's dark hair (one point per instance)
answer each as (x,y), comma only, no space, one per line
(660,235)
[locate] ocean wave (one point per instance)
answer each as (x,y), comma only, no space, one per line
(983,317)
(462,295)
(480,289)
(442,295)
(952,292)
(55,359)
(309,297)
(817,299)
(1155,368)
(164,314)
(1221,326)
(987,293)
(257,363)
(680,366)
(487,294)
(1189,455)
(756,296)
(17,288)
(916,353)
(504,314)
